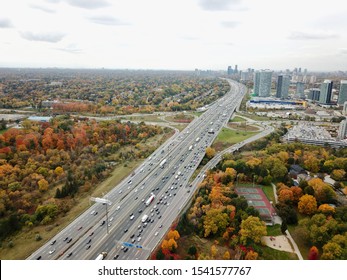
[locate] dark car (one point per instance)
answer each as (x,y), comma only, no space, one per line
(103,222)
(132,235)
(39,258)
(89,241)
(66,238)
(126,250)
(69,240)
(115,257)
(69,255)
(88,247)
(52,243)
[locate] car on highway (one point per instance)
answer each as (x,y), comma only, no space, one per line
(132,217)
(69,255)
(66,238)
(90,240)
(125,249)
(102,223)
(69,240)
(139,239)
(116,257)
(88,247)
(39,257)
(52,243)
(52,251)
(156,233)
(91,233)
(93,212)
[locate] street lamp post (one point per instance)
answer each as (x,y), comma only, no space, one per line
(105,202)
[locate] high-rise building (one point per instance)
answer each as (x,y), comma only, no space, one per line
(326,92)
(313,94)
(236,71)
(342,130)
(262,83)
(230,70)
(300,88)
(313,79)
(283,83)
(343,92)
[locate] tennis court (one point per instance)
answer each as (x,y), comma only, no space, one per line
(257,198)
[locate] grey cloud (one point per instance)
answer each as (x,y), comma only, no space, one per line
(343,51)
(106,20)
(311,36)
(50,37)
(5,23)
(217,5)
(230,24)
(41,8)
(88,4)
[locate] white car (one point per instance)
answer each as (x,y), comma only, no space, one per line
(52,251)
(92,213)
(118,207)
(139,239)
(156,233)
(111,219)
(132,217)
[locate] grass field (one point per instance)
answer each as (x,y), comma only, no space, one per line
(228,137)
(238,119)
(269,193)
(254,117)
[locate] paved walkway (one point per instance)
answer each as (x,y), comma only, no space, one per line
(278,220)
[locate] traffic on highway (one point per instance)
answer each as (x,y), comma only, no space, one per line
(138,212)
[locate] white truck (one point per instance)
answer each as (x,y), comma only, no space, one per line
(144,218)
(150,199)
(162,163)
(101,256)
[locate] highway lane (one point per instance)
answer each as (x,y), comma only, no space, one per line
(127,198)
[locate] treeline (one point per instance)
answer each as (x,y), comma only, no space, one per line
(42,163)
(108,92)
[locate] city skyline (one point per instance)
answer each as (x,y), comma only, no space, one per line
(174,35)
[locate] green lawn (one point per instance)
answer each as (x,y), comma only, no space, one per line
(274,230)
(228,137)
(238,119)
(254,117)
(269,193)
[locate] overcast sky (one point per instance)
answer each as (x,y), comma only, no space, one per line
(174,34)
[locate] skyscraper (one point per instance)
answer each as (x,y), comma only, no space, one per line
(300,88)
(230,70)
(326,92)
(262,83)
(283,83)
(343,92)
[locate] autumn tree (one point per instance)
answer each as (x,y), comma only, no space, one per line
(252,229)
(251,255)
(326,209)
(173,234)
(226,255)
(214,251)
(43,185)
(307,204)
(215,220)
(210,152)
(313,253)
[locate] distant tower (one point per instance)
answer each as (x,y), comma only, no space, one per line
(300,88)
(230,70)
(283,83)
(326,92)
(344,110)
(314,94)
(342,130)
(262,83)
(235,71)
(343,92)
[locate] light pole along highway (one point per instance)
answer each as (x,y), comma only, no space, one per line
(165,174)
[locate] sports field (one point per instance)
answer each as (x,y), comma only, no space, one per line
(257,198)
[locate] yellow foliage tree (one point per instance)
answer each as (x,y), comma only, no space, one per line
(251,255)
(326,209)
(226,255)
(43,185)
(214,251)
(173,234)
(172,245)
(210,152)
(58,170)
(165,245)
(307,204)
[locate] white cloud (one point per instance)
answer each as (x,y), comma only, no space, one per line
(5,23)
(312,36)
(50,37)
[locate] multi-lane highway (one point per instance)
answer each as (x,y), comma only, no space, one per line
(122,233)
